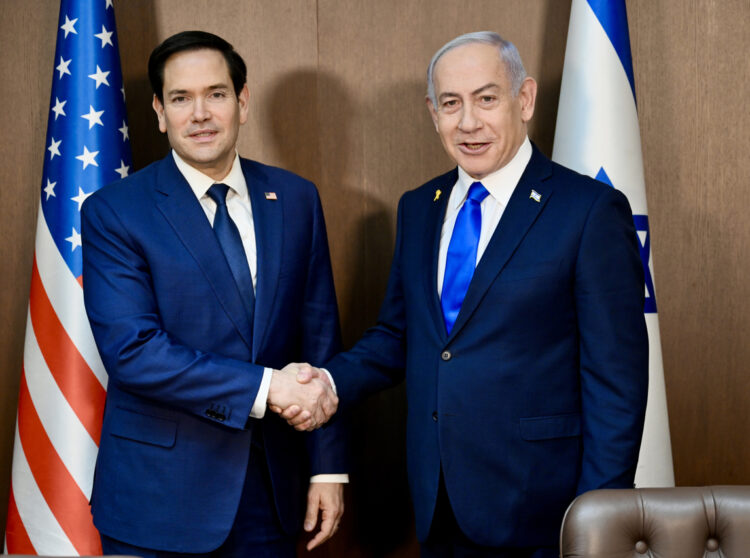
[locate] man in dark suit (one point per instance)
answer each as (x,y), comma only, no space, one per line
(193,325)
(514,310)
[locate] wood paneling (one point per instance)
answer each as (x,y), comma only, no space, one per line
(337,95)
(692,76)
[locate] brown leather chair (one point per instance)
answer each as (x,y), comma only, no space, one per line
(683,522)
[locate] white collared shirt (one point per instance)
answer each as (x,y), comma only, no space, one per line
(500,184)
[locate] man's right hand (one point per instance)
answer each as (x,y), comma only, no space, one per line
(306,404)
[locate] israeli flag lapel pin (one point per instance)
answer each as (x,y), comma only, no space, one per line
(536,196)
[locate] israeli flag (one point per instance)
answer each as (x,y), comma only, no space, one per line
(597,134)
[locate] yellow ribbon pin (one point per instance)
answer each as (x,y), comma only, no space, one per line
(437,195)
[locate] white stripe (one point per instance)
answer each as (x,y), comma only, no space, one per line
(66,296)
(41,526)
(70,439)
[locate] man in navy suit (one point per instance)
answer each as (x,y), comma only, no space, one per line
(194,325)
(514,311)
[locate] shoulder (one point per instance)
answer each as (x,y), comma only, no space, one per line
(571,187)
(131,190)
(433,189)
(277,177)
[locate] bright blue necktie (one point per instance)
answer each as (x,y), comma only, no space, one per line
(231,244)
(462,254)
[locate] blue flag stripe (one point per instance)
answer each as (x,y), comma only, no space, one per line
(613,18)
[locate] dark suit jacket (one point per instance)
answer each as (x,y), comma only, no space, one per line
(185,365)
(539,392)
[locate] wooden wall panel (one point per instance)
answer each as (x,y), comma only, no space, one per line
(337,95)
(692,76)
(26,67)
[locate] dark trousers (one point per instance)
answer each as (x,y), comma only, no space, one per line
(446,540)
(256,532)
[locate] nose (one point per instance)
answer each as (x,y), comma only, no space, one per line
(200,110)
(470,120)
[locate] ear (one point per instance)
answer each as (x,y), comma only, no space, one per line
(527,98)
(244,101)
(159,110)
(433,112)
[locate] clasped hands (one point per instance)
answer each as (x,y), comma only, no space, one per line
(302,395)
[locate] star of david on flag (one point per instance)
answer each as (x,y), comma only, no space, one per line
(597,134)
(63,382)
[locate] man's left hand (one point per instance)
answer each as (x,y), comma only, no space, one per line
(328,499)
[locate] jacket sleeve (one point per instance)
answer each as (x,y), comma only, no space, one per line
(609,296)
(321,339)
(378,360)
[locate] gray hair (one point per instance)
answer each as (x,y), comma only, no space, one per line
(508,54)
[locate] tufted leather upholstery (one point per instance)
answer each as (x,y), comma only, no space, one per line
(683,522)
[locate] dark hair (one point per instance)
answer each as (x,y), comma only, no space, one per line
(194,40)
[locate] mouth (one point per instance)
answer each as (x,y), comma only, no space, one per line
(473,148)
(203,135)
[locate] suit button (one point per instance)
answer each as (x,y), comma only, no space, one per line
(434,416)
(446,355)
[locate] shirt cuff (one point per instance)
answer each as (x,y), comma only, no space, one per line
(341,478)
(330,379)
(259,407)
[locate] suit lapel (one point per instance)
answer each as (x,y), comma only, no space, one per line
(181,209)
(268,219)
(518,217)
(434,228)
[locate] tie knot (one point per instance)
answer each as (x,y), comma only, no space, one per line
(218,193)
(477,192)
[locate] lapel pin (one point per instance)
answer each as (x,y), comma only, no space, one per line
(271,196)
(437,195)
(536,196)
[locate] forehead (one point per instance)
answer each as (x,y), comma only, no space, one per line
(194,68)
(467,67)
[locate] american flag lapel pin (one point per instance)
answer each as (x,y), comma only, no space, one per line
(271,196)
(437,195)
(536,196)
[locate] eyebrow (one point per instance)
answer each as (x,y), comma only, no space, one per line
(475,92)
(210,88)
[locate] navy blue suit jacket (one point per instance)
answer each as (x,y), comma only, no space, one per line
(539,392)
(185,365)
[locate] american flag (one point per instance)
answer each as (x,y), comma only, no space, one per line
(63,382)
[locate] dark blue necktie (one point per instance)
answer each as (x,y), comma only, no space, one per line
(231,244)
(462,254)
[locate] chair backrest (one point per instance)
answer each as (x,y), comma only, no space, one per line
(682,522)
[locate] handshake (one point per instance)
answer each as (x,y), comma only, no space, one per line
(302,395)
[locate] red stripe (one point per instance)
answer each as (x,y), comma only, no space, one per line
(73,375)
(63,496)
(16,536)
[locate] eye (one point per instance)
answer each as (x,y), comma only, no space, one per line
(218,94)
(179,99)
(450,104)
(487,99)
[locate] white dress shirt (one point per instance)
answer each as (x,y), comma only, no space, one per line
(500,184)
(241,211)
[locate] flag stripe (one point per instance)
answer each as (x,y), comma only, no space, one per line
(613,18)
(70,439)
(76,380)
(43,529)
(60,491)
(17,539)
(66,296)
